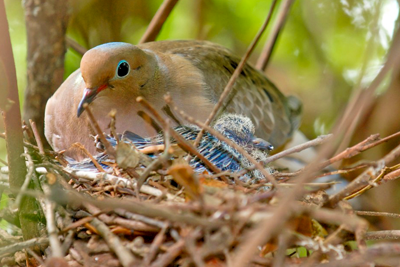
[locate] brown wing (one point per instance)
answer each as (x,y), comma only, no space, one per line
(275,115)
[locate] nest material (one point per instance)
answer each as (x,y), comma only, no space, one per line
(180,218)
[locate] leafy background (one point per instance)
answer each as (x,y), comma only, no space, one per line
(319,55)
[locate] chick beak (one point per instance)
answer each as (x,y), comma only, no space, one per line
(262,144)
(88,97)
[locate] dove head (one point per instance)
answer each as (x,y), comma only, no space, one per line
(113,69)
(240,129)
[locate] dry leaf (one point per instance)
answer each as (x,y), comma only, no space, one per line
(185,176)
(126,155)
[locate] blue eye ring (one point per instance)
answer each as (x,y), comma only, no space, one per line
(123,69)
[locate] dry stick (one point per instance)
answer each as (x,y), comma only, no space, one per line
(56,250)
(87,153)
(74,45)
(124,255)
(146,209)
(376,213)
(364,178)
(173,251)
(115,180)
(160,159)
(140,218)
(232,80)
(217,134)
(110,150)
(42,241)
(158,20)
(277,27)
(153,250)
(36,256)
(37,137)
(391,176)
(315,142)
(379,235)
(182,142)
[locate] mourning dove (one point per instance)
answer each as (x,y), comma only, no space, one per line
(195,73)
(237,128)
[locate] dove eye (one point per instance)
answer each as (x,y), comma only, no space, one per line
(123,68)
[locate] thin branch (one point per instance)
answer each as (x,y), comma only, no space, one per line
(181,141)
(271,40)
(37,137)
(110,150)
(232,80)
(376,213)
(158,21)
(75,46)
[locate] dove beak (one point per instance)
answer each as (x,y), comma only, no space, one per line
(262,144)
(88,97)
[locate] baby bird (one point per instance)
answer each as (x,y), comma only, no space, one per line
(238,128)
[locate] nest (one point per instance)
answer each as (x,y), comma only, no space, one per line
(167,215)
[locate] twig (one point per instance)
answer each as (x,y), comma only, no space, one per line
(145,209)
(87,153)
(158,240)
(74,45)
(315,142)
(56,250)
(124,255)
(140,218)
(158,21)
(365,178)
(42,241)
(379,235)
(228,88)
(110,150)
(173,252)
(37,137)
(375,213)
(217,134)
(160,159)
(273,36)
(182,142)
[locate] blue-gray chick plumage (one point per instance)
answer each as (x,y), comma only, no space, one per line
(237,128)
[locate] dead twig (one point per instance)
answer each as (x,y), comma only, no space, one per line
(37,137)
(181,141)
(276,29)
(232,80)
(110,150)
(158,21)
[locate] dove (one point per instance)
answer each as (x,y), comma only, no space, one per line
(113,75)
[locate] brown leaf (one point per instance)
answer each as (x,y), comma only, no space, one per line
(185,176)
(126,156)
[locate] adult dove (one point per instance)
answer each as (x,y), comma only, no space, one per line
(113,75)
